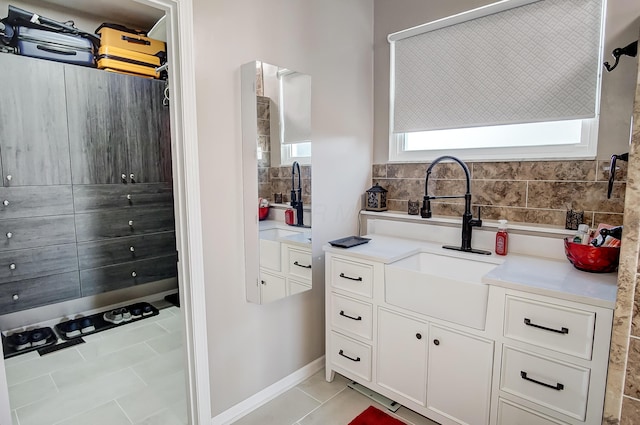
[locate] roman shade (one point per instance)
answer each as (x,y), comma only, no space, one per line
(295,107)
(538,61)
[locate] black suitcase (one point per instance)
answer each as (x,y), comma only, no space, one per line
(55,46)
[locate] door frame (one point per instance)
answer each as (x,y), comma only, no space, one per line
(186,185)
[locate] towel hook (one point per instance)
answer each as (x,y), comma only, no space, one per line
(629,50)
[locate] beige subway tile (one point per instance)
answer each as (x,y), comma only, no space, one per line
(578,196)
(608,218)
(632,381)
(499,192)
(630,411)
(379,170)
(535,170)
(407,171)
(603,170)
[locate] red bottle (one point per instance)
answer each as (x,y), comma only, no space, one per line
(289,217)
(502,238)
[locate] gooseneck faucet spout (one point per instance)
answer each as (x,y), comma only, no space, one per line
(296,194)
(468,222)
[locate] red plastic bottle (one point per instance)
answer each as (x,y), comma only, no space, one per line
(502,238)
(288,217)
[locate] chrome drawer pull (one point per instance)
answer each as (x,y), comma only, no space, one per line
(134,274)
(131,223)
(5,202)
(295,263)
(129,197)
(342,313)
(123,176)
(561,331)
(357,359)
(12,266)
(357,279)
(557,386)
(15,297)
(9,177)
(9,235)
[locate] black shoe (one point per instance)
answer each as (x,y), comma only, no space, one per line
(19,341)
(39,336)
(147,310)
(136,312)
(86,325)
(71,329)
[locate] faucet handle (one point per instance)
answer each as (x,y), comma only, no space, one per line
(477,221)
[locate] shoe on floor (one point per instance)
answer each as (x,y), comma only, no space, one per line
(126,314)
(136,312)
(86,325)
(19,341)
(71,329)
(147,310)
(113,316)
(40,336)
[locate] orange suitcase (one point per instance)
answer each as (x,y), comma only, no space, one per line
(114,35)
(128,62)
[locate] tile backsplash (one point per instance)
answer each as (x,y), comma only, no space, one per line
(537,192)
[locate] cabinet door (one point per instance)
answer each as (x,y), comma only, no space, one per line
(148,132)
(272,287)
(97,108)
(459,375)
(402,355)
(33,118)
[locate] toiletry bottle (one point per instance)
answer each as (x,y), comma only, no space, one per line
(289,217)
(582,237)
(502,238)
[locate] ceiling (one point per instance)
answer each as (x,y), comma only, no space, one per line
(124,11)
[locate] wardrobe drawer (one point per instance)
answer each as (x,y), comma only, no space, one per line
(352,276)
(560,386)
(29,293)
(35,201)
(298,262)
(89,198)
(105,279)
(513,414)
(22,233)
(351,316)
(31,263)
(351,356)
(559,328)
(120,250)
(127,222)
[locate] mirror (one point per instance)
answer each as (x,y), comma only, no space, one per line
(276,146)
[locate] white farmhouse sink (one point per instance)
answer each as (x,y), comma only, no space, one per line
(441,286)
(270,254)
(276,233)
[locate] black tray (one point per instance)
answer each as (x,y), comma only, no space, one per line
(9,351)
(349,241)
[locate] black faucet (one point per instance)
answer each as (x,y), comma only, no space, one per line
(296,195)
(468,222)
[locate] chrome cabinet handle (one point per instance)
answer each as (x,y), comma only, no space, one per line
(134,274)
(132,249)
(132,177)
(12,266)
(9,177)
(123,176)
(5,202)
(9,235)
(15,297)
(130,222)
(128,196)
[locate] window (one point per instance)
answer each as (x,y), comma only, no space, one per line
(300,152)
(518,79)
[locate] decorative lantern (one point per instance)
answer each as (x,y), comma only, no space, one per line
(376,198)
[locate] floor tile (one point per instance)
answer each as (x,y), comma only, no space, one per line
(77,399)
(167,342)
(321,390)
(285,409)
(164,417)
(160,365)
(171,323)
(31,391)
(341,409)
(21,358)
(120,340)
(14,418)
(103,365)
(163,391)
(107,414)
(38,366)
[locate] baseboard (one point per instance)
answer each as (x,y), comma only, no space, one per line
(272,391)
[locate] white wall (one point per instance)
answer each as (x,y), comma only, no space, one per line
(623,21)
(252,346)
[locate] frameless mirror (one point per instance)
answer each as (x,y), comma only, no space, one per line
(276,140)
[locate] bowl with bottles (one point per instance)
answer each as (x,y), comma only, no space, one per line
(589,258)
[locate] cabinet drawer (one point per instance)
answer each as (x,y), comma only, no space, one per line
(296,287)
(120,250)
(351,356)
(29,293)
(35,201)
(564,329)
(88,198)
(351,316)
(513,414)
(104,279)
(298,262)
(351,276)
(562,387)
(22,233)
(128,222)
(31,263)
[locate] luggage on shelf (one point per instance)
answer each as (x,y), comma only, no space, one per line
(114,35)
(60,47)
(128,62)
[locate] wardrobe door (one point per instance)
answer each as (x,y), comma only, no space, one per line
(34,145)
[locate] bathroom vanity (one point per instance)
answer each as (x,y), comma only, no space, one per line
(470,339)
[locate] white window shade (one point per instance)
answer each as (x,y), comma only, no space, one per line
(532,63)
(295,107)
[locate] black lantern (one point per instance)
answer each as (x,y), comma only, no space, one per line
(376,198)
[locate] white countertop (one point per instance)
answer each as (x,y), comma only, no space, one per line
(551,277)
(300,237)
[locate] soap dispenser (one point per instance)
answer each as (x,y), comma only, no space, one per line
(502,238)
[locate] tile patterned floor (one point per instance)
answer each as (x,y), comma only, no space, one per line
(318,402)
(129,375)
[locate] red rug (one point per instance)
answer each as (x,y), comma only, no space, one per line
(373,416)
